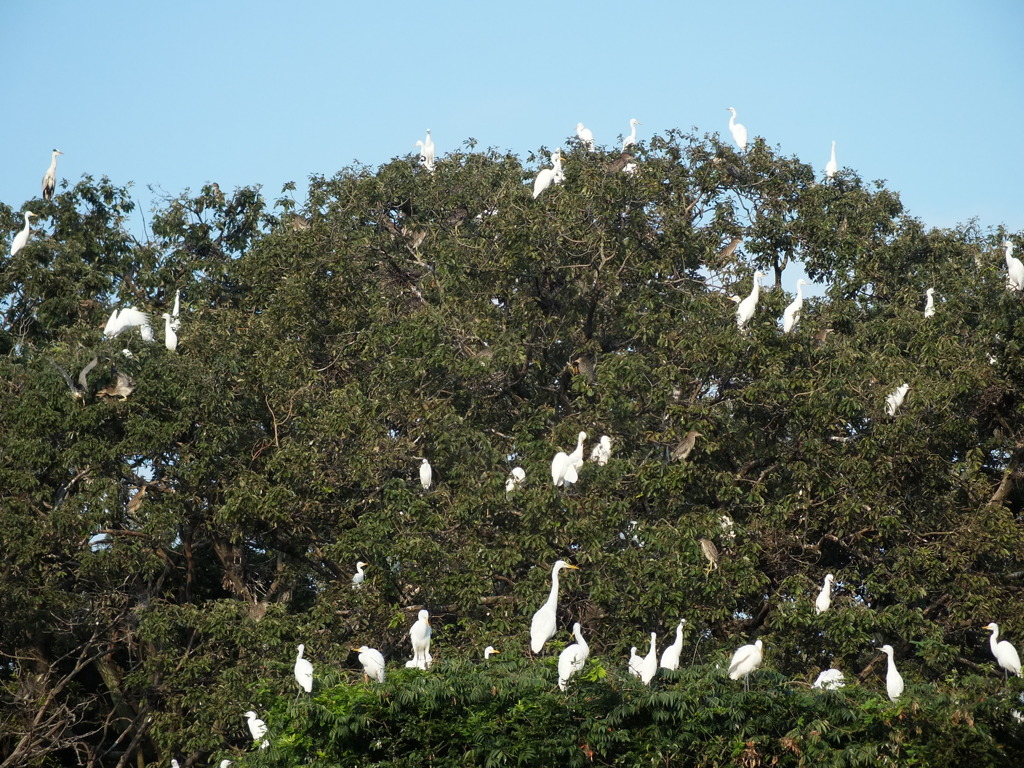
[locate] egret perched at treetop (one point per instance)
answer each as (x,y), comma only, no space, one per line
(1014,268)
(128,318)
(824,599)
(586,136)
(21,239)
(893,679)
(303,671)
(829,679)
(357,579)
(649,664)
(565,465)
(427,152)
(602,451)
(548,176)
(631,139)
(372,661)
(635,660)
(1005,653)
(419,636)
(544,621)
(746,307)
(426,475)
(745,661)
(573,657)
(832,166)
(515,479)
(50,177)
(791,315)
(670,656)
(929,303)
(257,728)
(170,336)
(738,131)
(895,400)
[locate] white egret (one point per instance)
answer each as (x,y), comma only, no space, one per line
(895,400)
(631,139)
(1005,653)
(544,621)
(635,660)
(726,524)
(929,304)
(649,664)
(21,239)
(738,131)
(710,551)
(832,166)
(50,177)
(586,136)
(1014,268)
(427,152)
(257,728)
(548,176)
(744,661)
(372,661)
(303,671)
(670,656)
(489,651)
(426,475)
(515,479)
(573,657)
(791,315)
(359,577)
(829,680)
(175,322)
(824,599)
(128,318)
(170,335)
(565,465)
(225,764)
(174,763)
(419,636)
(745,309)
(602,451)
(893,679)
(682,451)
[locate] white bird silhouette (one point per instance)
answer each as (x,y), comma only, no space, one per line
(515,479)
(744,661)
(631,139)
(929,304)
(372,661)
(573,657)
(635,660)
(1004,652)
(829,679)
(745,309)
(670,656)
(257,728)
(738,131)
(426,475)
(170,336)
(419,636)
(359,577)
(824,599)
(791,315)
(50,177)
(602,451)
(895,400)
(548,176)
(544,621)
(489,651)
(1014,268)
(565,466)
(303,671)
(649,664)
(832,166)
(586,136)
(21,239)
(893,679)
(427,152)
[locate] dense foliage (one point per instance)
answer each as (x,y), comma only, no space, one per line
(168,550)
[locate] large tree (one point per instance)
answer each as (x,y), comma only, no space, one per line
(167,550)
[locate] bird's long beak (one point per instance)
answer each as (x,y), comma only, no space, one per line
(356,650)
(574,567)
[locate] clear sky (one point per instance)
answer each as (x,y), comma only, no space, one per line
(925,94)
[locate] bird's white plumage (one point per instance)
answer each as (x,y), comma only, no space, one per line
(1004,652)
(824,599)
(129,317)
(427,152)
(515,479)
(489,651)
(895,400)
(746,307)
(745,660)
(893,679)
(832,166)
(175,322)
(791,315)
(257,728)
(50,177)
(372,661)
(419,636)
(170,335)
(565,466)
(829,679)
(360,576)
(21,239)
(548,176)
(602,451)
(635,660)
(929,304)
(303,671)
(631,139)
(586,136)
(649,663)
(1014,269)
(738,131)
(573,657)
(426,475)
(670,656)
(544,621)
(726,524)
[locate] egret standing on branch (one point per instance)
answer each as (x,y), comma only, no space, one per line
(50,177)
(303,671)
(832,166)
(929,303)
(586,136)
(21,239)
(738,131)
(544,621)
(1005,653)
(170,335)
(631,139)
(824,599)
(372,661)
(426,475)
(357,579)
(573,657)
(427,152)
(791,315)
(419,636)
(1014,269)
(548,176)
(565,465)
(895,400)
(649,665)
(257,728)
(515,479)
(670,656)
(829,680)
(745,661)
(893,679)
(746,307)
(602,451)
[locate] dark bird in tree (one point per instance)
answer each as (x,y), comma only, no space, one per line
(682,451)
(584,365)
(711,553)
(123,387)
(79,389)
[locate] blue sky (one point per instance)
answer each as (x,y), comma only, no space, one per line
(926,95)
